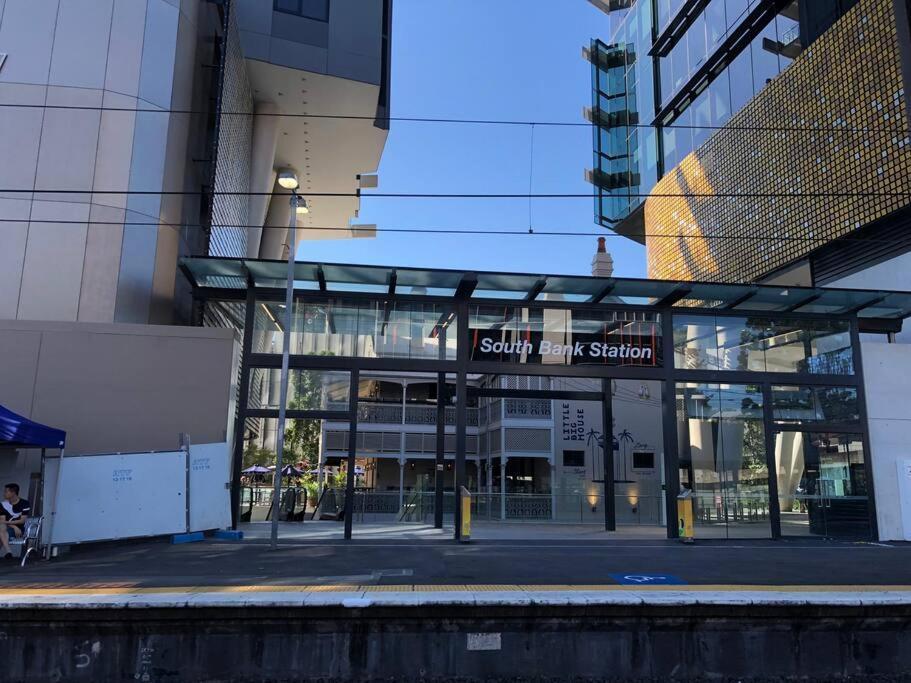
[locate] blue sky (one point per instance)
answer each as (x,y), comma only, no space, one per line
(487,59)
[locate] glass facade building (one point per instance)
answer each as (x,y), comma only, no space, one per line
(672,72)
(749,397)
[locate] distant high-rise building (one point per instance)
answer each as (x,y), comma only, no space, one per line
(783,122)
(133,132)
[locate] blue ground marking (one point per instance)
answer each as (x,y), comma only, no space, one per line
(648,579)
(229,535)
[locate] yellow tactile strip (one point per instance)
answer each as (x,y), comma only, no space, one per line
(123,589)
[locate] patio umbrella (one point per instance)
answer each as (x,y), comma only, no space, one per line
(288,471)
(256,469)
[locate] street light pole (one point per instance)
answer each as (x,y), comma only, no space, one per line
(286,356)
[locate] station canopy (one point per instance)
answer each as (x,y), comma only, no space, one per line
(214,273)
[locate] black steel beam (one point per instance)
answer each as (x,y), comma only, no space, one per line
(854,310)
(603,292)
(321,278)
(467,286)
(743,298)
(393,277)
(803,302)
(672,297)
(536,289)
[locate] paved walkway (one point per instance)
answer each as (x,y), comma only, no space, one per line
(480,531)
(419,555)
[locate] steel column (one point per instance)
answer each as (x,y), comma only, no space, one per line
(440,469)
(352,452)
(243,394)
(671,462)
(864,426)
(768,427)
(607,420)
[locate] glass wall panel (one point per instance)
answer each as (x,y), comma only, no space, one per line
(740,72)
(723,458)
(765,63)
(812,347)
(822,484)
(803,404)
(307,389)
(301,473)
(554,336)
(374,329)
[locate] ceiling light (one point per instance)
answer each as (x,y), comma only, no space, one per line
(302,207)
(287,178)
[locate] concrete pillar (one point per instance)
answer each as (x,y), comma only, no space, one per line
(273,244)
(503,461)
(262,171)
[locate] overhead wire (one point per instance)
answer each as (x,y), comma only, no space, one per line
(453,120)
(460,195)
(520,232)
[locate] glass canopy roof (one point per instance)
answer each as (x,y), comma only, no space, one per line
(335,278)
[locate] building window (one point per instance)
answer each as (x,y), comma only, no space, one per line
(310,9)
(643,460)
(573,458)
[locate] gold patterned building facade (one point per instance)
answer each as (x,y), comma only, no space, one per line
(821,151)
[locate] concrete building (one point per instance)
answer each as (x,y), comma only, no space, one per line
(129,139)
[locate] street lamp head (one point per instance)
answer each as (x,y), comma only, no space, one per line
(302,207)
(287,178)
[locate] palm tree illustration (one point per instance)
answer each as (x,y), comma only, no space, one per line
(624,437)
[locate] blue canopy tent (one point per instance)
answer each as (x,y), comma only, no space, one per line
(20,432)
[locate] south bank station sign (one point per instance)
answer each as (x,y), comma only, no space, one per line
(640,346)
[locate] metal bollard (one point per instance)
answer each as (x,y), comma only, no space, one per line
(465,502)
(685,516)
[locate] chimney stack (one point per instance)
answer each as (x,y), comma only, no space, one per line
(602,263)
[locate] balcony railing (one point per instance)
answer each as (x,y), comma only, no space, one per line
(533,409)
(391,413)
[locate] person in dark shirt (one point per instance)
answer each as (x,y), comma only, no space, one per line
(13,513)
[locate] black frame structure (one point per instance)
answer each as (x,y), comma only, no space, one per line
(252,282)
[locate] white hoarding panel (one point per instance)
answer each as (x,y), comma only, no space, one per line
(105,497)
(210,494)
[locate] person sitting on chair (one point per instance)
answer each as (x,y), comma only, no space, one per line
(14,511)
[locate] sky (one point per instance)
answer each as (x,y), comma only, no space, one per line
(487,59)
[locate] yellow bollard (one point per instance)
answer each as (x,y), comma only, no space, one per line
(465,502)
(685,516)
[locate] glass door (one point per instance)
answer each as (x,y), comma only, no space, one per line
(822,484)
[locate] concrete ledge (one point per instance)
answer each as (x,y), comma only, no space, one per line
(365,597)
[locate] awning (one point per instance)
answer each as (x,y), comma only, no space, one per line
(20,432)
(229,277)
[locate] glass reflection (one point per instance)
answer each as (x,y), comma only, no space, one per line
(822,484)
(815,347)
(723,458)
(374,329)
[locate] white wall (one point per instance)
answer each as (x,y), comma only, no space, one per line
(90,53)
(886,371)
(891,275)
